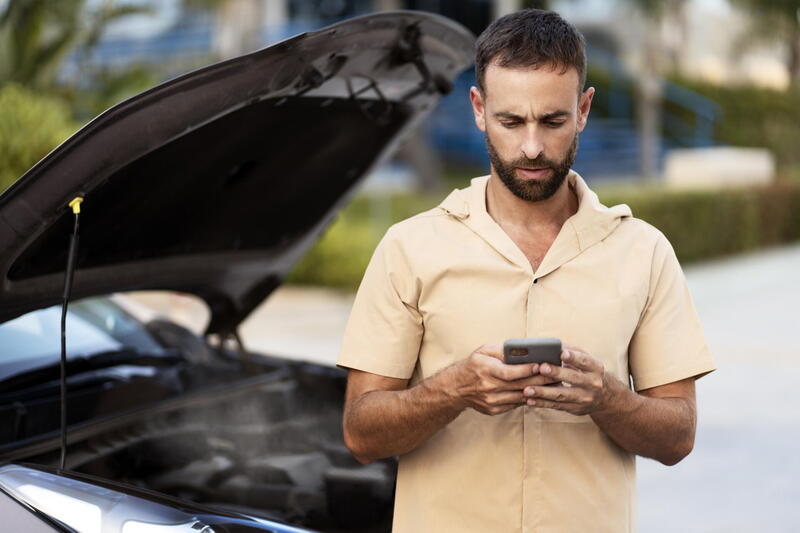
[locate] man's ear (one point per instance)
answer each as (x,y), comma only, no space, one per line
(584,104)
(478,108)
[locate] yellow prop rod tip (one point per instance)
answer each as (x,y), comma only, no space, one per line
(75,204)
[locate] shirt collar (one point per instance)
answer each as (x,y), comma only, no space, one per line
(589,225)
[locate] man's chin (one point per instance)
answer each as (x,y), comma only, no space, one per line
(532,189)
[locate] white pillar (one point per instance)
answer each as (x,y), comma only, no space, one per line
(504,7)
(237,27)
(387,5)
(276,13)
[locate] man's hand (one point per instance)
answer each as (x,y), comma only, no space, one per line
(383,417)
(588,388)
(485,383)
(658,422)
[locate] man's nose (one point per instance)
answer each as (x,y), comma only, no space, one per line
(532,144)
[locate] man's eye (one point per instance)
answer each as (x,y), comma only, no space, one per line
(551,124)
(510,124)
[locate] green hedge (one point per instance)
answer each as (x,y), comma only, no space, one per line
(31,125)
(707,224)
(340,257)
(699,224)
(754,116)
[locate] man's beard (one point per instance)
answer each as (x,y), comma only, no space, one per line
(533,190)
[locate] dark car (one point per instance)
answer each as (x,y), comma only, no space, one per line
(213,184)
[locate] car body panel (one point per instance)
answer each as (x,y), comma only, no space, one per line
(92,505)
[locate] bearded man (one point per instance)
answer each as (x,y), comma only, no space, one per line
(527,251)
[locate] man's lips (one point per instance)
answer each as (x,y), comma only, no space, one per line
(532,173)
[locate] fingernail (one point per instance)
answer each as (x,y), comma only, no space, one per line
(535,368)
(567,355)
(545,368)
(529,391)
(531,402)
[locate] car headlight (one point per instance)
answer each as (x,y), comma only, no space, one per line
(89,508)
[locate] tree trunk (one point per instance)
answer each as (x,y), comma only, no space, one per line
(238,26)
(423,160)
(388,5)
(501,8)
(649,110)
(793,64)
(649,105)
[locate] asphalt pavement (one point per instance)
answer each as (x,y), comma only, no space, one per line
(743,473)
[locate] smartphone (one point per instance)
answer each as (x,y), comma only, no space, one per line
(533,350)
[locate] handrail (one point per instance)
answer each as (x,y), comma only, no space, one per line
(705,110)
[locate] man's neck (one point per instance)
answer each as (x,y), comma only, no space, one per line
(508,210)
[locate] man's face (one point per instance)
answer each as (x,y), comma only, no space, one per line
(532,190)
(531,119)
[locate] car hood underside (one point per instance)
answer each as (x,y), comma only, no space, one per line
(217,182)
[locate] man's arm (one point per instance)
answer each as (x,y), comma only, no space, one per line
(658,423)
(383,418)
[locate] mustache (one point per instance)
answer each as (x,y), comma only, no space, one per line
(538,162)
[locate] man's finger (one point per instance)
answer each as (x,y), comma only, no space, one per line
(530,381)
(511,372)
(501,371)
(565,374)
(505,398)
(581,360)
(555,394)
(572,348)
(492,350)
(571,408)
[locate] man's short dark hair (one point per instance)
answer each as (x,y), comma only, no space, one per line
(531,38)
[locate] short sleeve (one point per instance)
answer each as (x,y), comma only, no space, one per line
(384,331)
(668,344)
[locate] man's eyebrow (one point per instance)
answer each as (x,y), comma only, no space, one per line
(555,114)
(547,116)
(509,116)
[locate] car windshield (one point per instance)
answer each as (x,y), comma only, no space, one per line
(94,325)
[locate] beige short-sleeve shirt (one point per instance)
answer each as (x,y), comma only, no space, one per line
(448,280)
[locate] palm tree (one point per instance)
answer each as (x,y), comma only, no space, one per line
(649,79)
(776,21)
(37,35)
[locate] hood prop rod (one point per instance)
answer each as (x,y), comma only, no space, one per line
(75,204)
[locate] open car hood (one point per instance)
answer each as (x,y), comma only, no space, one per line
(217,182)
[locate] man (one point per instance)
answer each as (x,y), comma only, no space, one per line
(526,252)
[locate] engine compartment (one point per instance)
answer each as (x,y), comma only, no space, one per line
(274,450)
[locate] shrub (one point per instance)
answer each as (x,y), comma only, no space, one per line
(31,125)
(699,224)
(339,258)
(754,116)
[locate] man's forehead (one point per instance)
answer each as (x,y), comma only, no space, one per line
(546,88)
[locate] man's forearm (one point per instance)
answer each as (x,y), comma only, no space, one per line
(387,423)
(659,428)
(382,418)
